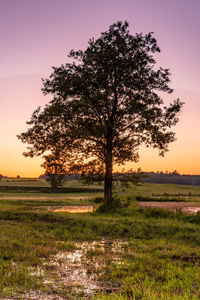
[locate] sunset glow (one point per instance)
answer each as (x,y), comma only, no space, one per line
(36,35)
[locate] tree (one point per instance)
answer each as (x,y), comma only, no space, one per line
(55,169)
(106,103)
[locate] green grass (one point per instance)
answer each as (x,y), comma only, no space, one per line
(152,189)
(162,257)
(159,256)
(39,187)
(165,192)
(39,183)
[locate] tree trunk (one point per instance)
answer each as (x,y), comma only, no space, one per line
(108,179)
(53,182)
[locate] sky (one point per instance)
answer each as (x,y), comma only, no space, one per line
(36,35)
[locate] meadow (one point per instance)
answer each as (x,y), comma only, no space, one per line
(132,253)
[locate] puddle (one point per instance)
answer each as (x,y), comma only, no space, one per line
(32,295)
(191,210)
(73,209)
(73,272)
(79,270)
(186,207)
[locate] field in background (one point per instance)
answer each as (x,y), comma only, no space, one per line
(134,253)
(72,187)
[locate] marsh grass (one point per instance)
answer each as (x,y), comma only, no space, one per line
(157,254)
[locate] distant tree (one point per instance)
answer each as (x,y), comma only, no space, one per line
(106,103)
(55,169)
(175,172)
(125,178)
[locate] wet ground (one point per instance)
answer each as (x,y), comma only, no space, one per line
(68,208)
(77,272)
(185,207)
(74,209)
(59,197)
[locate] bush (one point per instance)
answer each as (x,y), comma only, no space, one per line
(98,200)
(114,204)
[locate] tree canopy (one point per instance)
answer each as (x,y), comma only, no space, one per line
(105,104)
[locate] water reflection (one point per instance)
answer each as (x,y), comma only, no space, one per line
(74,209)
(186,207)
(191,210)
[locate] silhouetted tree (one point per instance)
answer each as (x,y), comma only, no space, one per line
(106,103)
(55,169)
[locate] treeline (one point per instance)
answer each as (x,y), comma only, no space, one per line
(174,178)
(151,177)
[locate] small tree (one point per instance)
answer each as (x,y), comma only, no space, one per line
(106,104)
(55,170)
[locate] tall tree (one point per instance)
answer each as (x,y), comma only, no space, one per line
(106,103)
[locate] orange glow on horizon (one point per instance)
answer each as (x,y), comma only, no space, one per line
(183,154)
(21,71)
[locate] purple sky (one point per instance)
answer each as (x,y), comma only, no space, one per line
(38,34)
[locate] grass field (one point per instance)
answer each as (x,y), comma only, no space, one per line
(131,254)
